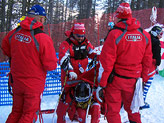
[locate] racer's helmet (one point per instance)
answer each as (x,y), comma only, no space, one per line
(82,92)
(157,31)
(111,24)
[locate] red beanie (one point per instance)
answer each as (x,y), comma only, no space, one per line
(124,11)
(78,28)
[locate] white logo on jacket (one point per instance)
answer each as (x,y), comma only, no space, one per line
(133,37)
(82,47)
(23,38)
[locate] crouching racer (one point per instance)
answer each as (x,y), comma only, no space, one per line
(73,57)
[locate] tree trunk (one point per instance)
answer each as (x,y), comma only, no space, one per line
(24,4)
(9,14)
(94,8)
(56,19)
(88,9)
(161,4)
(138,4)
(3,16)
(65,15)
(50,12)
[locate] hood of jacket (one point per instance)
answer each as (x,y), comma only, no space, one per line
(30,23)
(130,23)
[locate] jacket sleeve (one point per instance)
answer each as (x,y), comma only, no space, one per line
(47,53)
(6,45)
(157,53)
(64,54)
(92,51)
(107,59)
(147,60)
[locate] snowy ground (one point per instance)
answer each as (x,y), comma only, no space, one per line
(155,114)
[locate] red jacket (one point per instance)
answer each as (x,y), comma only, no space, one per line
(66,50)
(128,52)
(30,60)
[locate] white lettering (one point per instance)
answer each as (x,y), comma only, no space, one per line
(133,37)
(23,38)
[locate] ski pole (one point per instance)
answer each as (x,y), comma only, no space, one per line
(62,90)
(64,65)
(94,81)
(152,72)
(47,111)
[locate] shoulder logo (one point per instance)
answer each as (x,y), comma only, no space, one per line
(23,38)
(133,37)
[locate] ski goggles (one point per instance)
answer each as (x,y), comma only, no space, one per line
(160,34)
(80,36)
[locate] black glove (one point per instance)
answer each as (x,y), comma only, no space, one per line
(65,64)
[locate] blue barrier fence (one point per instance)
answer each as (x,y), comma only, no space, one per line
(52,86)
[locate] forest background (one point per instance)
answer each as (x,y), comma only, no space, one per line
(66,10)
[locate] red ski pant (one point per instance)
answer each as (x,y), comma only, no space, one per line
(26,106)
(77,114)
(94,111)
(120,90)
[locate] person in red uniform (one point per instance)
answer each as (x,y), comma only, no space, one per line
(126,52)
(32,54)
(73,57)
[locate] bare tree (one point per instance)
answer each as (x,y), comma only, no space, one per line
(138,4)
(94,8)
(56,19)
(161,4)
(50,11)
(66,8)
(84,8)
(88,9)
(9,14)
(2,10)
(109,10)
(72,5)
(24,5)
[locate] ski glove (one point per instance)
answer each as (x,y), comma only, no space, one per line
(72,75)
(99,93)
(65,64)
